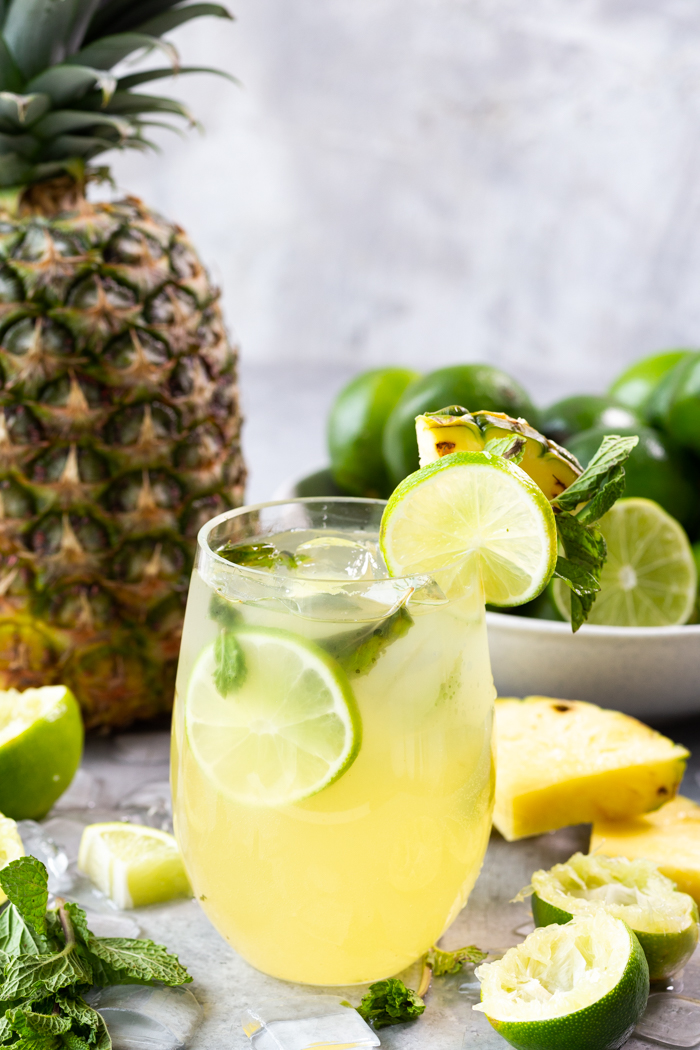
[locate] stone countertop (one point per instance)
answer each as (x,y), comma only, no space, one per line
(126,776)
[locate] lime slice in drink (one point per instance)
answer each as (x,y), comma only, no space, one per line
(582,986)
(649,579)
(664,920)
(41,743)
(133,865)
(467,513)
(280,729)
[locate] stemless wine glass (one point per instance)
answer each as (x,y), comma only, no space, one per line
(332,767)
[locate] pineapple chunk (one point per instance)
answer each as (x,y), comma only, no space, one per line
(454,429)
(670,838)
(561,762)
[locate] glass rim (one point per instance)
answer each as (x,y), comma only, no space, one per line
(204,546)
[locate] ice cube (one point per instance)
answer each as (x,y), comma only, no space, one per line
(339,558)
(144,1018)
(144,749)
(671,1020)
(38,842)
(85,792)
(314,1021)
(149,804)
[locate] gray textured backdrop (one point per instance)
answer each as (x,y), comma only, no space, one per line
(431,181)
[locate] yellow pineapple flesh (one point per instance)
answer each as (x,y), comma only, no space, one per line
(563,762)
(670,837)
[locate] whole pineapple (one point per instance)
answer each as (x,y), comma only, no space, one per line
(119,420)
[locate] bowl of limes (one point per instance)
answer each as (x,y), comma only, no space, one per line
(640,648)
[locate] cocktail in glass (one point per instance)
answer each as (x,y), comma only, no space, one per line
(346,872)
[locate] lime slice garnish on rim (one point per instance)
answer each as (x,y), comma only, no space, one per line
(132,864)
(649,579)
(286,729)
(582,986)
(472,513)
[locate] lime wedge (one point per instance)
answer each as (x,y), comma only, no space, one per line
(133,865)
(650,578)
(582,986)
(41,743)
(287,727)
(472,513)
(664,920)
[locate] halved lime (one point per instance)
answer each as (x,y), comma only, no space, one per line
(132,864)
(41,743)
(467,514)
(664,920)
(583,986)
(649,579)
(286,728)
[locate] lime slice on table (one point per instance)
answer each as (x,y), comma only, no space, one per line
(649,579)
(11,847)
(467,513)
(664,920)
(41,743)
(132,864)
(582,986)
(287,727)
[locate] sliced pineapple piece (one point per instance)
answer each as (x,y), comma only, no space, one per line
(670,837)
(562,762)
(455,429)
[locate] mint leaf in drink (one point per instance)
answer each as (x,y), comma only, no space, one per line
(442,963)
(257,556)
(390,1002)
(26,885)
(230,663)
(358,651)
(223,611)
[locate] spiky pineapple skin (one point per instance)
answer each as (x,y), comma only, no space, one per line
(119,437)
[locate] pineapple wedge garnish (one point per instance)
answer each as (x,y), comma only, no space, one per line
(562,762)
(670,838)
(455,429)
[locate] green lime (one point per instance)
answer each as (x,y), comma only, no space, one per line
(287,727)
(570,416)
(675,403)
(655,470)
(634,386)
(695,618)
(581,986)
(41,743)
(356,426)
(649,578)
(472,386)
(132,864)
(664,920)
(472,515)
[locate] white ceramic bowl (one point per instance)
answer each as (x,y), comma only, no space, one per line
(649,672)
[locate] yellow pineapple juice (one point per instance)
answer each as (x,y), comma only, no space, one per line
(357,880)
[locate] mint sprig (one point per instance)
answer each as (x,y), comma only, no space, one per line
(49,958)
(390,1002)
(576,511)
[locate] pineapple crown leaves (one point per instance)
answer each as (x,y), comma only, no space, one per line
(60,103)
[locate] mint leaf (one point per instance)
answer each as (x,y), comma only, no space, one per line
(585,548)
(16,937)
(257,556)
(37,976)
(613,452)
(25,882)
(78,920)
(442,963)
(230,663)
(511,448)
(25,1022)
(358,651)
(578,579)
(610,490)
(122,960)
(88,1027)
(223,611)
(390,1002)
